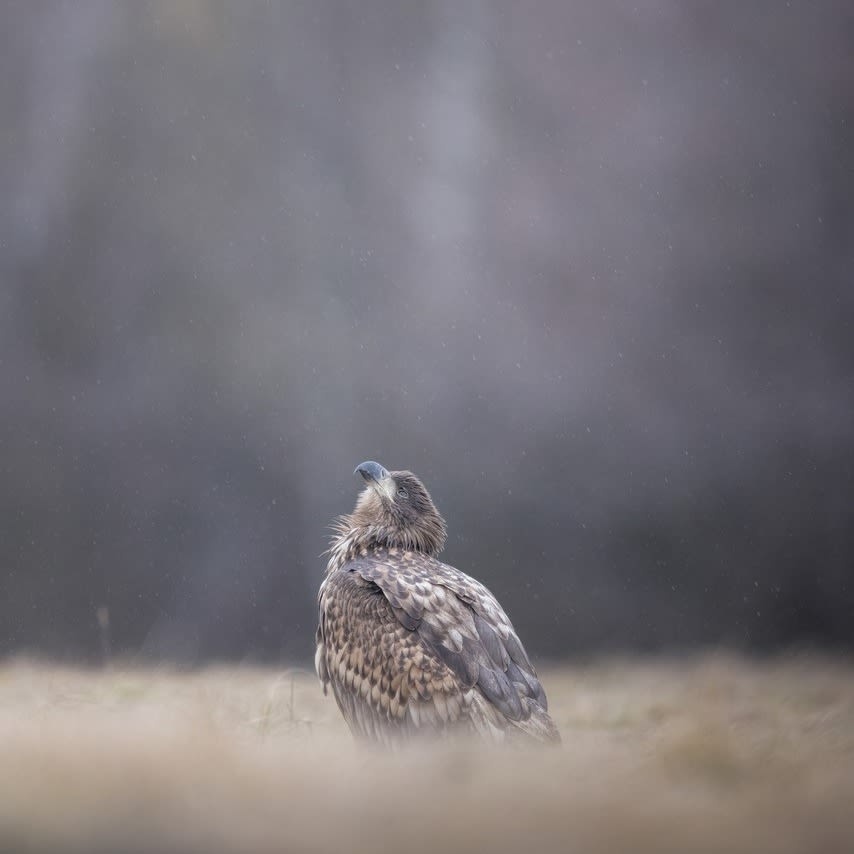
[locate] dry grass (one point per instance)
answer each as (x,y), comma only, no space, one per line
(706,755)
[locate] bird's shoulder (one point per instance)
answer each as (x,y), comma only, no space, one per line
(417,585)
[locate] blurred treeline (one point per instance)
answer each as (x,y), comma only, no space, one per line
(587,268)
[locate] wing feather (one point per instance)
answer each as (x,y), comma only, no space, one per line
(437,652)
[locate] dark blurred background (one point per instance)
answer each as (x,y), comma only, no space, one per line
(587,268)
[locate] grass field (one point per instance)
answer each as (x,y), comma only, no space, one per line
(707,754)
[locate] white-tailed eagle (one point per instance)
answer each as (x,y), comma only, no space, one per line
(413,646)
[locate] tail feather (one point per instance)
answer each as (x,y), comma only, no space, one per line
(536,726)
(539,725)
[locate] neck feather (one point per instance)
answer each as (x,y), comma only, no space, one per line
(351,539)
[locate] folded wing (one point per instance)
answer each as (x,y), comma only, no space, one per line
(412,645)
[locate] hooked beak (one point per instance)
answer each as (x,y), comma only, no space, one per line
(371,471)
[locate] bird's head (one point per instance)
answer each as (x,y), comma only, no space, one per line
(395,509)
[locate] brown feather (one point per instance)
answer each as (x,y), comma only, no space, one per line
(412,646)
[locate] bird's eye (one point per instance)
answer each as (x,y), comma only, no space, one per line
(402,493)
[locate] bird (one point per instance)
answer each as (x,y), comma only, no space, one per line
(412,647)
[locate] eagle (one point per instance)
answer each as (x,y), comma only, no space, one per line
(410,645)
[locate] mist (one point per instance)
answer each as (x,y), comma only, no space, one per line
(585,268)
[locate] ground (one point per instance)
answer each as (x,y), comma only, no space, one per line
(706,754)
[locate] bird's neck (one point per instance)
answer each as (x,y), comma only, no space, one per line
(351,541)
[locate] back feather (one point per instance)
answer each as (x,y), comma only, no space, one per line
(412,646)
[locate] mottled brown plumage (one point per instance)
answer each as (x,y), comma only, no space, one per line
(410,645)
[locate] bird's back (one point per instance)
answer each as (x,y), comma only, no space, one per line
(413,646)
